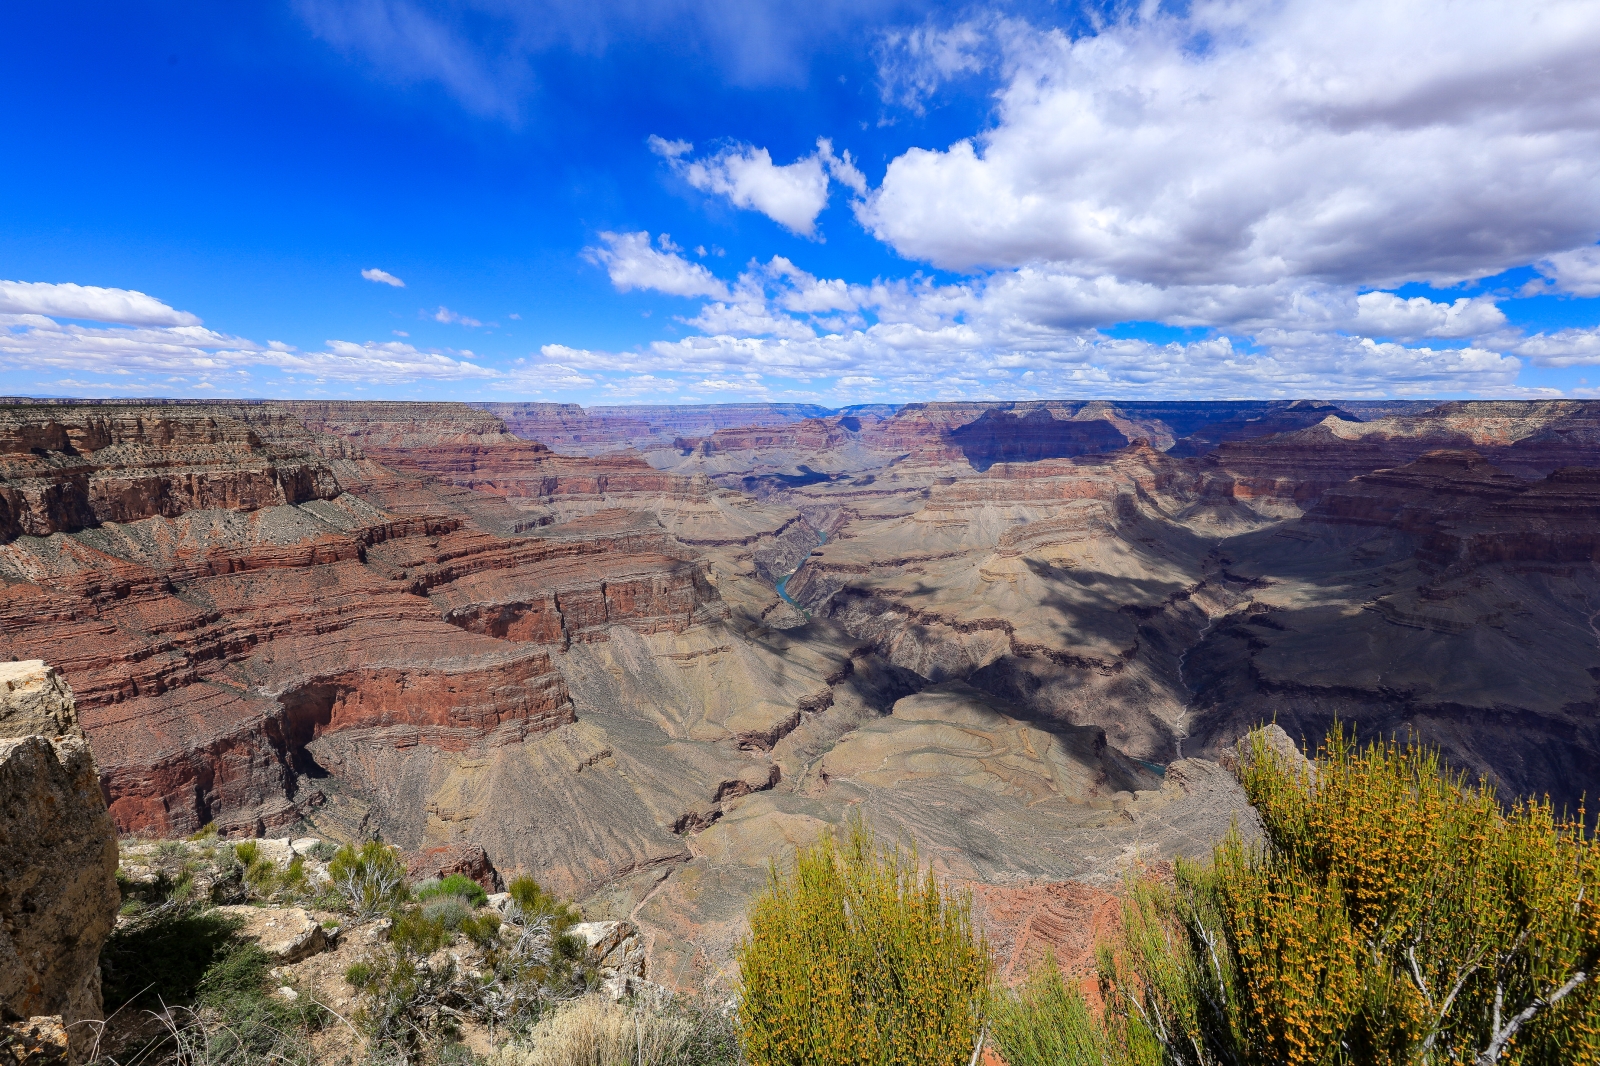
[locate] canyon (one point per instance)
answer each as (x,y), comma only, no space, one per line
(1016,636)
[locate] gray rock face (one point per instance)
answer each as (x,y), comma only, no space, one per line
(58,857)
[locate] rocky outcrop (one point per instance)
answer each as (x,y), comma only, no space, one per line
(1002,437)
(468,860)
(58,851)
(285,934)
(35,700)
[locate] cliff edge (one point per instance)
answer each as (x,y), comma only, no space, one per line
(58,861)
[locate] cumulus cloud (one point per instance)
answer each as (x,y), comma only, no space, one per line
(1262,172)
(1245,142)
(1033,332)
(1384,314)
(90,302)
(39,342)
(633,263)
(1563,348)
(1576,272)
(792,195)
(383,277)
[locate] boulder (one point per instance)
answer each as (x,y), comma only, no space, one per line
(468,859)
(617,952)
(58,852)
(287,934)
(35,700)
(614,948)
(1278,744)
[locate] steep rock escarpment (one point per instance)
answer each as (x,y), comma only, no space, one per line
(118,464)
(58,854)
(1069,587)
(214,649)
(1445,598)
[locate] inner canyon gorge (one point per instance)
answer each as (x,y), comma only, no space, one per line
(641,653)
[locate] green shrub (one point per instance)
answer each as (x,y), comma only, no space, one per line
(418,933)
(465,887)
(482,929)
(857,956)
(370,879)
(448,911)
(1047,1022)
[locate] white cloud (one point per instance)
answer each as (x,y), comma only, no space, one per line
(1248,142)
(1576,272)
(842,167)
(1031,332)
(383,277)
(914,63)
(1563,348)
(90,302)
(447,316)
(388,361)
(1384,314)
(632,263)
(792,195)
(34,342)
(668,149)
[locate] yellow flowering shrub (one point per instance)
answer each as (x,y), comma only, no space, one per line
(858,957)
(1393,914)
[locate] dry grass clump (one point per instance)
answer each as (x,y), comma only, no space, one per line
(595,1031)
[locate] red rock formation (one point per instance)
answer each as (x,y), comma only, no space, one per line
(62,473)
(212,629)
(1023,923)
(469,860)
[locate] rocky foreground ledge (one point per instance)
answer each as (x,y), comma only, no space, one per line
(58,864)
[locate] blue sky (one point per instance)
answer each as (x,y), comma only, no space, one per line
(679,201)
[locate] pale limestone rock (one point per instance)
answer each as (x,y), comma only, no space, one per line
(287,934)
(35,700)
(615,948)
(58,857)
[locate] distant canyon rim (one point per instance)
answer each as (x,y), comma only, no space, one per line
(1016,635)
